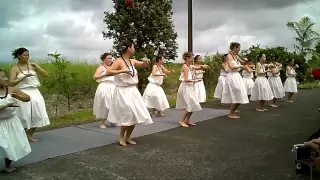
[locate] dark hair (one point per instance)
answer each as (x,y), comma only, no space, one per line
(18,52)
(104,55)
(196,58)
(125,45)
(234,45)
(187,55)
(260,55)
(159,57)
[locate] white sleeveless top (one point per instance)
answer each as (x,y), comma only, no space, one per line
(198,74)
(247,74)
(9,111)
(270,73)
(29,82)
(190,76)
(124,79)
(158,80)
(234,62)
(291,71)
(105,78)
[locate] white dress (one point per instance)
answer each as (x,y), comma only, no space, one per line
(14,143)
(103,96)
(199,86)
(276,84)
(32,114)
(186,97)
(128,107)
(261,89)
(248,81)
(290,85)
(234,90)
(154,96)
(219,87)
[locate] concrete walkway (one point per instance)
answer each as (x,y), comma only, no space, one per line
(78,138)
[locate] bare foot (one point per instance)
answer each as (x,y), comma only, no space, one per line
(32,139)
(183,124)
(122,142)
(289,101)
(259,110)
(191,123)
(102,126)
(10,169)
(161,114)
(234,116)
(265,110)
(128,140)
(273,105)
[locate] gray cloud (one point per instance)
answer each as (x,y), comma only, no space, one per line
(215,24)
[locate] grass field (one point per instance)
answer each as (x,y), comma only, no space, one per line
(69,101)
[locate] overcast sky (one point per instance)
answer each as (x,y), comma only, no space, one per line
(73,27)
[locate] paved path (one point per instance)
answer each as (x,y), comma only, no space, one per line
(257,146)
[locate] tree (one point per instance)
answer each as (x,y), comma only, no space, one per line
(306,36)
(314,62)
(148,23)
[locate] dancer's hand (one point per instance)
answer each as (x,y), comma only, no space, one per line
(34,65)
(127,71)
(12,105)
(146,60)
(172,70)
(205,66)
(28,75)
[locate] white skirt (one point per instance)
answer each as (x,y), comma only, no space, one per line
(128,108)
(248,84)
(103,99)
(14,144)
(234,90)
(187,98)
(33,114)
(290,85)
(155,97)
(200,91)
(276,86)
(261,90)
(219,87)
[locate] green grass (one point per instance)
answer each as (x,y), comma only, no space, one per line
(309,85)
(75,118)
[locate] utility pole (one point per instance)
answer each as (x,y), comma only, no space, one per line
(190,26)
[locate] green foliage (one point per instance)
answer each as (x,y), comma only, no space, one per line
(284,57)
(149,24)
(314,62)
(306,35)
(210,77)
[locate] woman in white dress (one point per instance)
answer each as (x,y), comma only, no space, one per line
(275,82)
(127,108)
(223,74)
(187,98)
(105,90)
(198,75)
(261,90)
(290,85)
(247,76)
(154,96)
(14,143)
(24,75)
(234,91)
